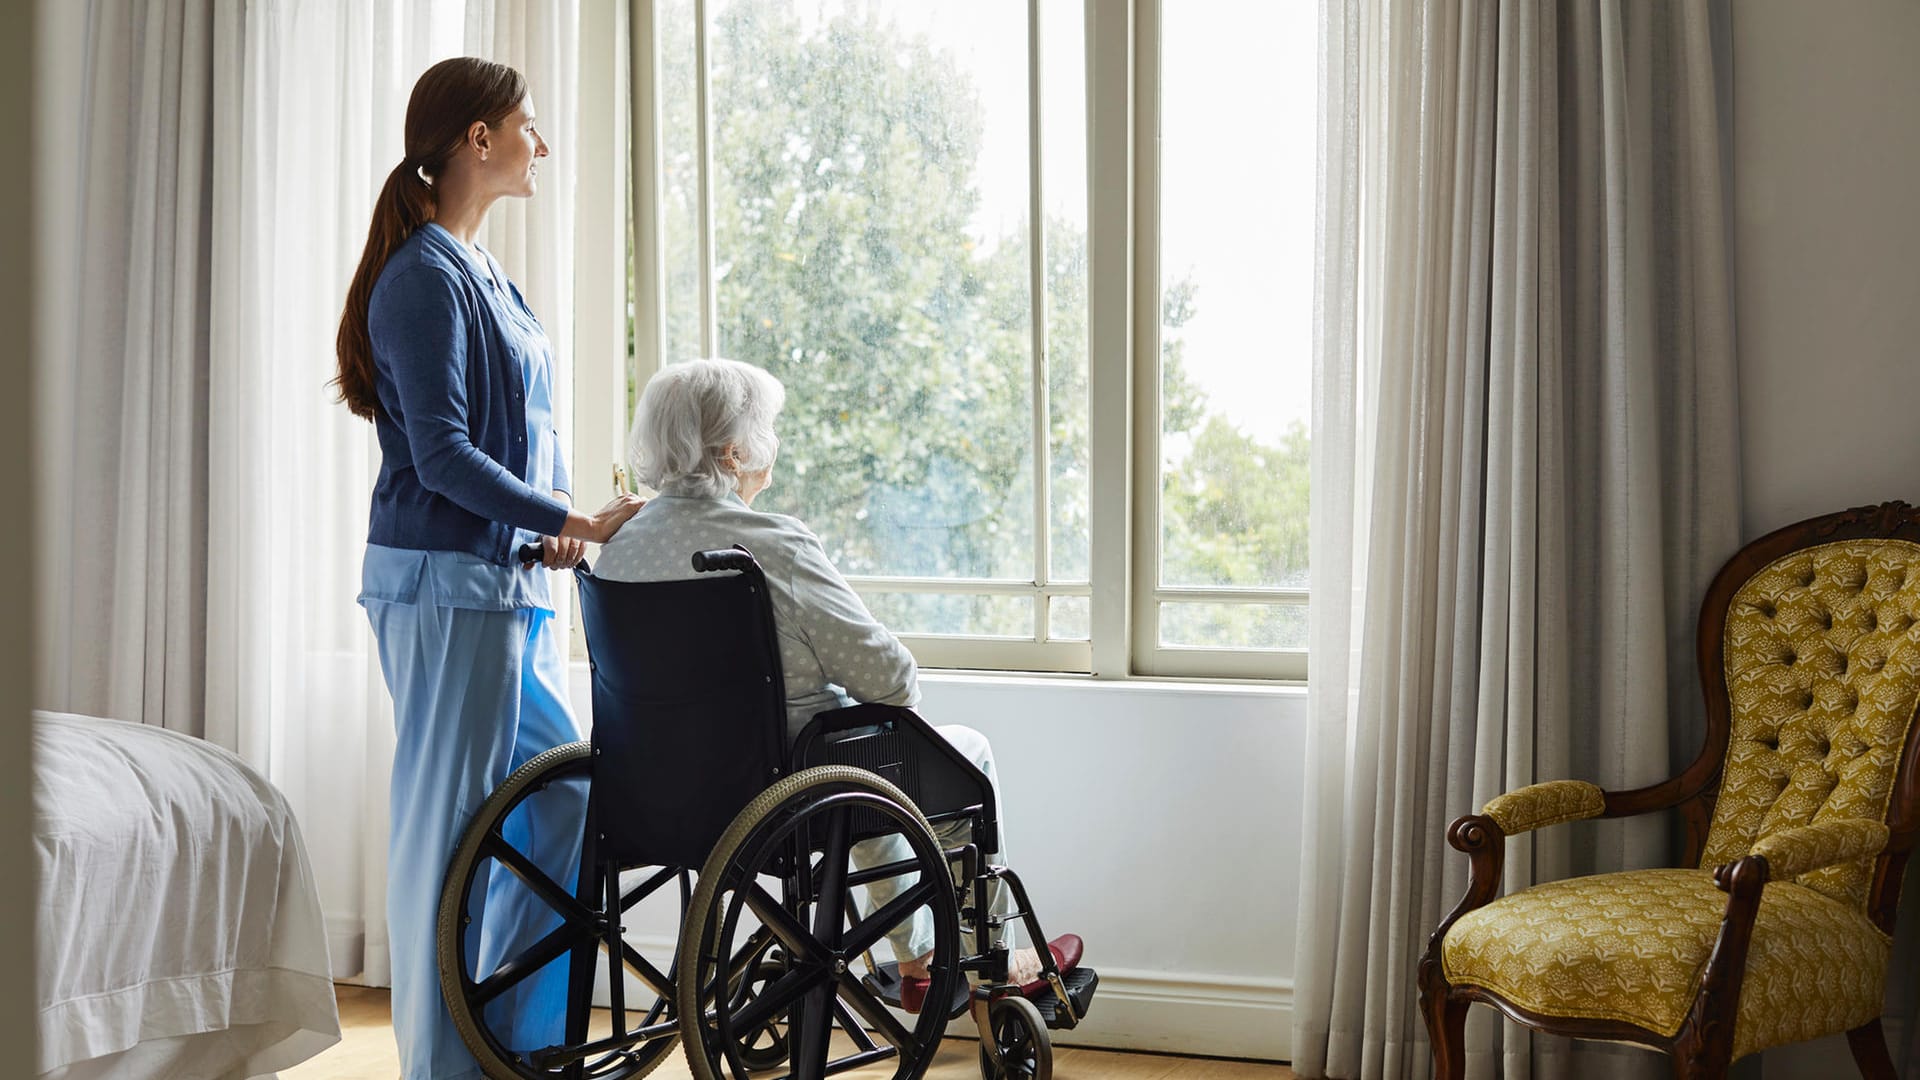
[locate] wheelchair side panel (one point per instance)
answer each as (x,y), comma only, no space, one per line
(903,748)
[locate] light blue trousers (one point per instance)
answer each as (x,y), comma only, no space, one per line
(914,937)
(476,694)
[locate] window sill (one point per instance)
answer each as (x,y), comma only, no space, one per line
(1254,688)
(1139,684)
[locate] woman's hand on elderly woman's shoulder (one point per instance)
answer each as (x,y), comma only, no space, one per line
(599,526)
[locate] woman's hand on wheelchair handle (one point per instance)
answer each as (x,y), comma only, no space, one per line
(562,552)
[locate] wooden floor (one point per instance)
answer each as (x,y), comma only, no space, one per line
(366,1052)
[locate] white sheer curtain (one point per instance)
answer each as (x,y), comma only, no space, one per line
(205,499)
(1525,469)
(533,238)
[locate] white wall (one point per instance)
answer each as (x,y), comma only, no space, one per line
(1826,150)
(1158,821)
(1827,260)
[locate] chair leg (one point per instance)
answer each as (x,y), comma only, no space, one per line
(1702,1056)
(1691,1068)
(1446,1029)
(1869,1046)
(1700,1067)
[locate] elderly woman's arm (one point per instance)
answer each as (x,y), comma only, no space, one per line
(856,652)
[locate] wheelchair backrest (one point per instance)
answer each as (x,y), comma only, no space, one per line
(689,708)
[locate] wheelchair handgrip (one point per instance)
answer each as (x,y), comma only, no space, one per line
(733,558)
(536,552)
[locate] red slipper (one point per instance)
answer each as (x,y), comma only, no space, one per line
(1066,949)
(913,993)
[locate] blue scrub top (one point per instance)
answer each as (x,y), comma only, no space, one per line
(455,578)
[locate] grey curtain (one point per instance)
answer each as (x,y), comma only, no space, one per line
(1526,471)
(122,446)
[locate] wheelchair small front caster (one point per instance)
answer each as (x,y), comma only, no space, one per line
(1020,1036)
(765,1046)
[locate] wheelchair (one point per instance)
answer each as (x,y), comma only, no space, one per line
(693,807)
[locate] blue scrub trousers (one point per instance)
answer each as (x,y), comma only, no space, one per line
(476,695)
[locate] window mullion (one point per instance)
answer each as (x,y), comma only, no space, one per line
(1110,195)
(597,419)
(1037,263)
(1145,356)
(649,255)
(703,80)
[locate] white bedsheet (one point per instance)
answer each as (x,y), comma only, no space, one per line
(179,933)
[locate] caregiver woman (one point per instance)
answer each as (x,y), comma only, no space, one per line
(440,351)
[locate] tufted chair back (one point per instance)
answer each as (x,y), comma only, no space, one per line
(1821,660)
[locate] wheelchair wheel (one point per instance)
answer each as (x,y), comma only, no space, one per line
(498,991)
(795,839)
(1020,1035)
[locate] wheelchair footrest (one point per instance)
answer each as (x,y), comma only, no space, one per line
(1081,983)
(885,985)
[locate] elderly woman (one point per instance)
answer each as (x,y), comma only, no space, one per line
(703,438)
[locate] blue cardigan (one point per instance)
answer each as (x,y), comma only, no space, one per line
(452,422)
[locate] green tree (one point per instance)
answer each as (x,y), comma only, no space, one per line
(844,192)
(1240,507)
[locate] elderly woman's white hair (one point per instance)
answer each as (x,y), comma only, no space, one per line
(688,416)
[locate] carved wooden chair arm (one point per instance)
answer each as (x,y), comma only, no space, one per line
(1537,806)
(1709,1019)
(1780,856)
(1482,837)
(1485,846)
(1802,850)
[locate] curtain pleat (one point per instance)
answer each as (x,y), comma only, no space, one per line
(533,238)
(1524,353)
(122,471)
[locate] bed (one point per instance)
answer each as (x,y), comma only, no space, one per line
(179,930)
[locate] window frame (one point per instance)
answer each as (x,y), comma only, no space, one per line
(601,230)
(1123,297)
(1149,657)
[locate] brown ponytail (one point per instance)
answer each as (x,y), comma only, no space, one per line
(449,97)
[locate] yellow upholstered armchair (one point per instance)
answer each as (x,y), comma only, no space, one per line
(1800,812)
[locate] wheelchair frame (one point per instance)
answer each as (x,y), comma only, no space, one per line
(682,780)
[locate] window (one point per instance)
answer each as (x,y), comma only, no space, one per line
(885,203)
(1222,576)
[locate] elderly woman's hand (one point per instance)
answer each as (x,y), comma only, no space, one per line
(599,527)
